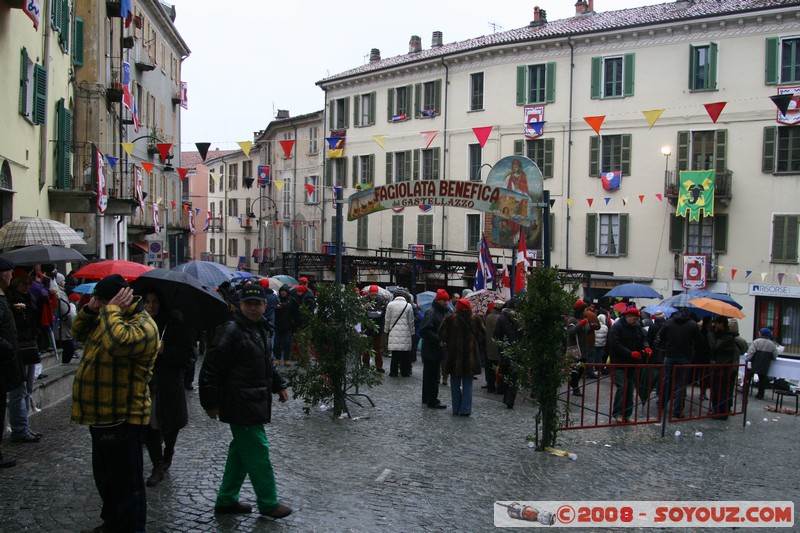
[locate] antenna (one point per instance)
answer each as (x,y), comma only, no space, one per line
(495,27)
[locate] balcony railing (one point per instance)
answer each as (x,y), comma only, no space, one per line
(723,182)
(712,263)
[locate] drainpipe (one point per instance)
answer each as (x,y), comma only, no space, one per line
(324,167)
(294,196)
(444,143)
(569,143)
(44,126)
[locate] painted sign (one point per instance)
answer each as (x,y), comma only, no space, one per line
(694,271)
(534,121)
(792,115)
(520,175)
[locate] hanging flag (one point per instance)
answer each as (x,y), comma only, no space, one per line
(102,188)
(428,137)
(287,145)
(536,128)
(191,222)
(203,149)
(782,102)
(714,110)
(310,189)
(156,224)
(522,262)
(135,116)
(264,176)
(398,118)
(504,283)
(138,188)
(427,113)
(163,150)
(33,8)
(184,95)
(112,161)
(696,194)
(245,146)
(125,9)
(336,144)
(486,271)
(611,180)
(208,221)
(533,120)
(182,172)
(652,116)
(256,255)
(482,134)
(425,208)
(595,122)
(380,140)
(126,86)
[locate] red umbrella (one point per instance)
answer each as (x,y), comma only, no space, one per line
(620,306)
(127,269)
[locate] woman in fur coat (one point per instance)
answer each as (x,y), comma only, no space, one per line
(464,335)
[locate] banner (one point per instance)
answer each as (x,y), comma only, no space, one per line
(156,224)
(534,121)
(694,271)
(486,271)
(184,95)
(264,175)
(138,188)
(696,194)
(33,8)
(102,186)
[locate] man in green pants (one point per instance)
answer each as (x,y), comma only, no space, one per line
(237,381)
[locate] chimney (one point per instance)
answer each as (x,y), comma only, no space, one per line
(436,40)
(539,17)
(374,55)
(590,8)
(282,114)
(581,7)
(415,44)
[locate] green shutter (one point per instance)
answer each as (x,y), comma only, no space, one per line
(768,150)
(683,150)
(56,13)
(23,82)
(389,104)
(372,169)
(354,171)
(347,112)
(437,97)
(389,162)
(436,163)
(597,73)
(622,245)
(410,111)
(39,94)
(692,67)
(415,174)
(521,98)
(720,233)
(77,46)
(778,235)
(328,173)
(550,82)
(594,156)
(547,171)
(711,81)
(372,100)
(591,233)
(771,68)
(628,74)
(784,238)
(64,146)
(408,161)
(625,156)
(720,151)
(676,231)
(63,36)
(331,110)
(356,108)
(519,147)
(414,111)
(791,238)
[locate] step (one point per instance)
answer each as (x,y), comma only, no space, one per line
(55,382)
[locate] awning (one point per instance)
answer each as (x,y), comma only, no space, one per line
(139,247)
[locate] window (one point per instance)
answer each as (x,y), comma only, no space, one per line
(33,90)
(540,151)
(233,207)
(473,231)
(608,153)
(702,150)
(425,229)
(286,195)
(398,167)
(426,164)
(707,236)
(233,176)
(703,67)
(399,104)
(233,247)
(607,234)
(363,169)
(59,15)
(476,91)
(783,60)
(337,172)
(311,239)
(475,162)
(312,184)
(286,238)
(536,84)
(781,150)
(362,232)
(364,109)
(338,111)
(612,77)
(247,172)
(428,98)
(313,140)
(64,146)
(784,238)
(397,231)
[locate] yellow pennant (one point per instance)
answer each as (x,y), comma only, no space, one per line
(652,116)
(569,202)
(128,147)
(381,140)
(279,184)
(763,276)
(245,146)
(624,200)
(721,268)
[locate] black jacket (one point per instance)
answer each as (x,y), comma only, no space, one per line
(429,333)
(287,313)
(624,339)
(238,376)
(680,337)
(11,374)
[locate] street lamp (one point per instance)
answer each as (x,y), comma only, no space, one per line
(251,214)
(477,176)
(666,151)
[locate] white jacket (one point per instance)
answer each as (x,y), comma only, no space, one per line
(399,324)
(601,335)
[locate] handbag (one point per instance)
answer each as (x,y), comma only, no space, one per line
(574,353)
(28,353)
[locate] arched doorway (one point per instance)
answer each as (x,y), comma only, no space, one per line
(6,194)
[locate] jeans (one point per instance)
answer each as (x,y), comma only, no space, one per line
(283,345)
(461,394)
(625,382)
(677,391)
(18,411)
(248,455)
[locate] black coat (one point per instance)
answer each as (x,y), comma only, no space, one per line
(238,375)
(287,313)
(680,337)
(11,374)
(624,339)
(167,385)
(429,333)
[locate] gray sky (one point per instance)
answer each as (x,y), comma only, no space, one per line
(252,57)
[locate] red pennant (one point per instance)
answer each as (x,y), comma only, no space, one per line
(660,197)
(287,146)
(733,273)
(714,110)
(172,203)
(182,172)
(591,201)
(147,166)
(641,198)
(163,149)
(310,189)
(482,134)
(185,207)
(595,122)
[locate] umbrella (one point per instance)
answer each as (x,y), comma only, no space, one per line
(210,273)
(480,300)
(620,306)
(200,305)
(32,230)
(241,274)
(425,299)
(284,279)
(718,307)
(85,288)
(697,293)
(632,290)
(37,254)
(127,269)
(653,309)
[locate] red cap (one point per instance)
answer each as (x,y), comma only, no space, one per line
(264,282)
(441,295)
(632,311)
(463,305)
(19,271)
(304,280)
(301,289)
(74,297)
(373,289)
(579,304)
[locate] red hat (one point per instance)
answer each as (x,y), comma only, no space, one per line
(74,297)
(442,296)
(301,289)
(579,304)
(264,282)
(19,271)
(463,305)
(632,311)
(373,289)
(304,280)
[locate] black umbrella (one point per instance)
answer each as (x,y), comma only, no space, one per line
(201,306)
(37,254)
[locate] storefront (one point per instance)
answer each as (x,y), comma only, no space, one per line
(778,307)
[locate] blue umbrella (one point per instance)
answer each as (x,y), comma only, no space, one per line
(208,272)
(85,288)
(242,274)
(632,290)
(425,299)
(698,293)
(653,309)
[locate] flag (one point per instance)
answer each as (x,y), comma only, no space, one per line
(191,222)
(486,271)
(504,283)
(696,194)
(102,189)
(611,180)
(156,224)
(522,262)
(138,188)
(398,118)
(425,208)
(264,176)
(33,8)
(126,86)
(335,147)
(427,113)
(135,115)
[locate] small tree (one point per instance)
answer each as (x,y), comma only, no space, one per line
(333,369)
(538,357)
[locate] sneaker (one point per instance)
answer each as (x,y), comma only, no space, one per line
(234,508)
(279,511)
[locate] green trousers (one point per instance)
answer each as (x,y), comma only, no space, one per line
(248,454)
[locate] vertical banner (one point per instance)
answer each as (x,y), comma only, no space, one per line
(534,121)
(694,271)
(264,175)
(139,196)
(184,95)
(156,224)
(33,8)
(102,186)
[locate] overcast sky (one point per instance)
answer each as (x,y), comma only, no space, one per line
(252,57)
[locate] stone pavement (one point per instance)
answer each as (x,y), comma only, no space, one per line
(402,467)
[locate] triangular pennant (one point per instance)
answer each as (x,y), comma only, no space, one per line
(279,184)
(245,146)
(197,211)
(185,207)
(733,273)
(163,150)
(590,201)
(660,197)
(595,122)
(641,198)
(172,204)
(428,137)
(182,171)
(721,269)
(714,110)
(248,182)
(624,200)
(747,273)
(552,202)
(112,161)
(287,145)
(652,116)
(782,102)
(569,202)
(147,166)
(159,200)
(128,147)
(780,278)
(310,189)
(607,199)
(764,276)
(380,140)
(203,149)
(482,134)
(537,127)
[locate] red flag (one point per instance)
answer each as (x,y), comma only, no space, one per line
(714,110)
(287,145)
(595,122)
(163,149)
(522,262)
(182,172)
(310,189)
(147,166)
(482,134)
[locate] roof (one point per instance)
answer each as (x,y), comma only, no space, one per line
(587,23)
(277,124)
(191,159)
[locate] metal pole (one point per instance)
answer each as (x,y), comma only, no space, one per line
(260,241)
(339,221)
(546,228)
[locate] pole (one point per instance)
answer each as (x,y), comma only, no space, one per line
(339,221)
(546,228)
(260,241)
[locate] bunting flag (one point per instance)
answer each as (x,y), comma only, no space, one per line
(696,194)
(287,145)
(138,188)
(256,255)
(208,221)
(335,147)
(536,127)
(552,202)
(764,276)
(182,172)
(652,116)
(163,150)
(782,102)
(279,185)
(522,262)
(747,273)
(607,199)
(428,137)
(203,149)
(733,273)
(156,224)
(486,271)
(569,202)
(197,211)
(714,110)
(264,175)
(186,208)
(112,161)
(147,166)
(172,204)
(595,122)
(400,117)
(380,140)
(624,200)
(641,198)
(310,189)
(780,278)
(482,134)
(248,182)
(660,197)
(611,180)
(128,147)
(245,146)
(191,221)
(590,201)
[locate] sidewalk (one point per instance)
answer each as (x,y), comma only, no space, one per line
(403,467)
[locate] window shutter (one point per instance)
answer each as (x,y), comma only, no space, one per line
(372,169)
(56,13)
(791,238)
(628,74)
(519,147)
(692,67)
(720,145)
(77,46)
(597,82)
(23,82)
(356,109)
(63,37)
(625,157)
(414,111)
(547,171)
(328,173)
(39,94)
(591,233)
(521,99)
(389,161)
(622,245)
(346,112)
(594,156)
(436,163)
(63,181)
(410,111)
(331,109)
(371,111)
(768,149)
(778,235)
(683,150)
(771,67)
(550,82)
(415,174)
(390,104)
(711,82)
(354,171)
(720,233)
(784,238)
(676,230)
(437,97)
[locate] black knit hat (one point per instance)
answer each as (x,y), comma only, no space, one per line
(5,264)
(109,286)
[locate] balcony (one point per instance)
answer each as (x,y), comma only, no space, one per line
(247,223)
(722,187)
(142,57)
(712,262)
